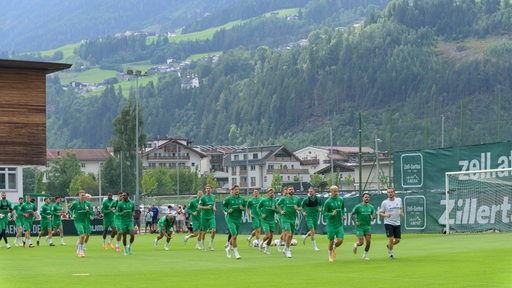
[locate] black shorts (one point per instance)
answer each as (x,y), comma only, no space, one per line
(393,231)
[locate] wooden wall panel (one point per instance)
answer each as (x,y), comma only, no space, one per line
(22,118)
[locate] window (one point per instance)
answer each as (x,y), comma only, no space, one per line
(245,156)
(82,165)
(8,178)
(254,155)
(236,157)
(270,167)
(253,167)
(265,179)
(233,180)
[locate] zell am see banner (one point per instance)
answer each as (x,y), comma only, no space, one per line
(424,170)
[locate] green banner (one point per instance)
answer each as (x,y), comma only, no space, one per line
(424,170)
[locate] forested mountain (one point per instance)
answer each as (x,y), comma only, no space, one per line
(410,69)
(29,26)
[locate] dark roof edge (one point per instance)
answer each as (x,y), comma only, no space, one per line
(23,66)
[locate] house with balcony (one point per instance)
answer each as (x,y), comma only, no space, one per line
(345,160)
(172,153)
(214,163)
(254,167)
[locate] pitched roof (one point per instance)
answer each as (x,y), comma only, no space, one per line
(81,154)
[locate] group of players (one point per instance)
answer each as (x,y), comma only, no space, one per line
(24,213)
(266,213)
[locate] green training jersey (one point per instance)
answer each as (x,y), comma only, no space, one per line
(363,214)
(46,212)
(236,205)
(331,205)
(28,210)
(252,204)
(5,207)
(192,208)
(126,210)
(56,211)
(207,201)
(105,209)
(268,209)
(163,222)
(17,210)
(83,211)
(311,205)
(288,204)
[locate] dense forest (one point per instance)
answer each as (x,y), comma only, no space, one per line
(409,69)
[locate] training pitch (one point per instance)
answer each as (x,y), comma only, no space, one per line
(421,260)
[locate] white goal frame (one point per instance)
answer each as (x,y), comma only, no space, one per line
(491,173)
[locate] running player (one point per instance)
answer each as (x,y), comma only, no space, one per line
(196,219)
(288,207)
(125,209)
(312,206)
(57,213)
(254,212)
(5,209)
(234,205)
(108,221)
(82,212)
(207,207)
(46,221)
(28,210)
(18,220)
(362,215)
(268,210)
(334,209)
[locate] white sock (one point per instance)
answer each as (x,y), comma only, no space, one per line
(314,243)
(51,240)
(211,242)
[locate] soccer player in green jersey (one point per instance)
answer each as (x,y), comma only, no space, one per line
(5,209)
(311,208)
(334,210)
(234,206)
(46,221)
(125,209)
(288,207)
(268,210)
(254,212)
(165,228)
(82,213)
(194,212)
(362,215)
(282,241)
(18,219)
(28,211)
(108,221)
(207,207)
(117,220)
(57,213)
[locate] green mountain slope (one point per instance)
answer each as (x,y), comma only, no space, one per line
(409,76)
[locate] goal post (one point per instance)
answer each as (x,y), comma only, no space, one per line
(478,201)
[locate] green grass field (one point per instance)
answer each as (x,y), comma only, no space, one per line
(422,260)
